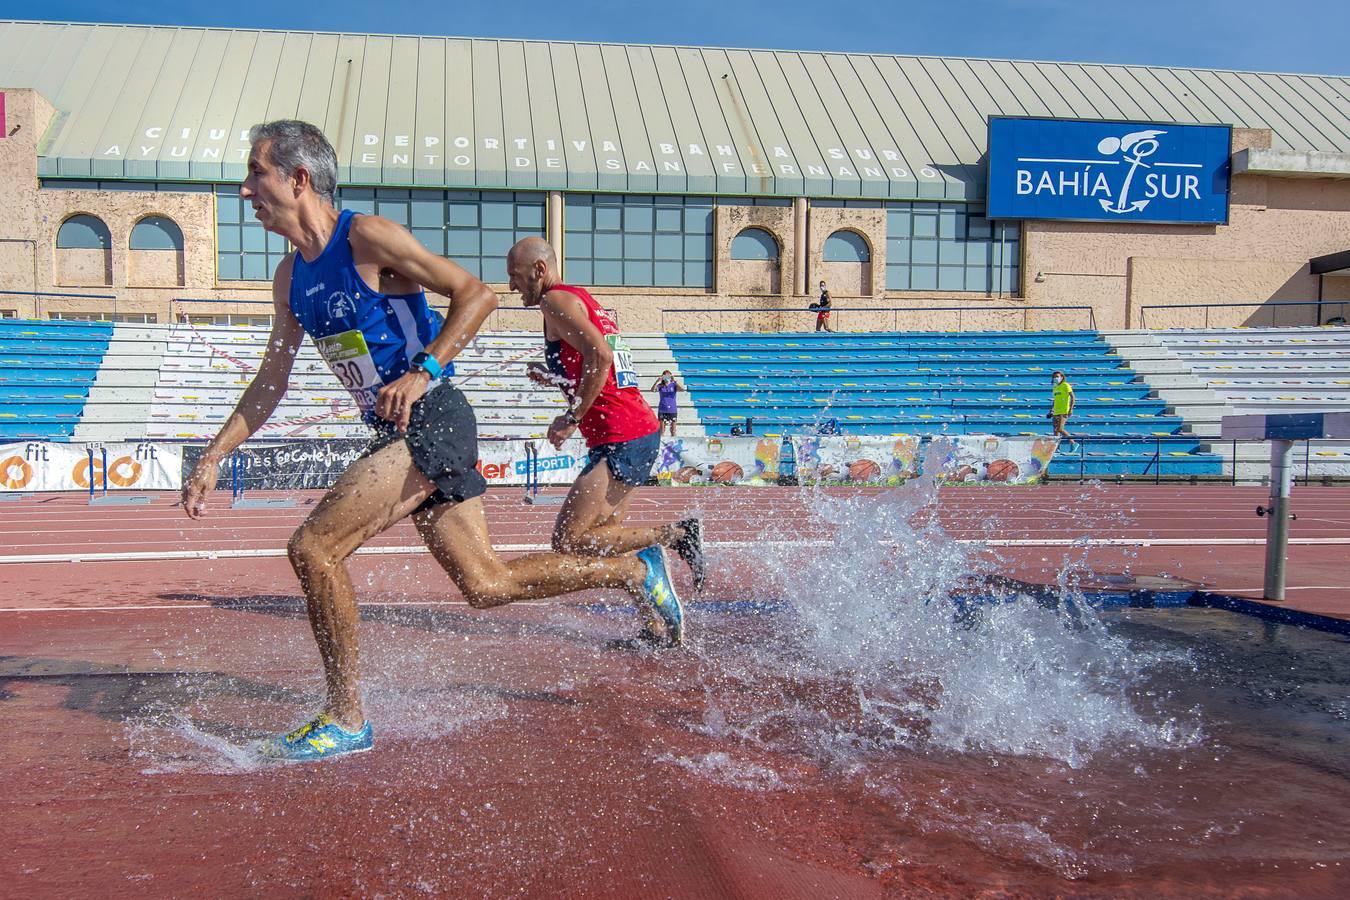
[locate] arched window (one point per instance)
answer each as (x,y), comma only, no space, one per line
(847,246)
(156,233)
(755,244)
(83,232)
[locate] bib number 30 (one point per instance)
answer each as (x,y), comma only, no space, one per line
(349,357)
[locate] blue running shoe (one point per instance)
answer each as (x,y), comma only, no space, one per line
(319,738)
(659,595)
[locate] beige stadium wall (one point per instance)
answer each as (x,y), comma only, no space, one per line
(1122,273)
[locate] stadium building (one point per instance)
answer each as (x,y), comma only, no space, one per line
(927,192)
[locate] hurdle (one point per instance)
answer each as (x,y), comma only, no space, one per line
(107,499)
(1282,430)
(237,487)
(532,496)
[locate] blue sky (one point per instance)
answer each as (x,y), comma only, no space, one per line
(1298,36)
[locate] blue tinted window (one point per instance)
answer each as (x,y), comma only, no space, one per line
(83,233)
(244,250)
(950,247)
(754,243)
(847,246)
(156,233)
(638,240)
(473,228)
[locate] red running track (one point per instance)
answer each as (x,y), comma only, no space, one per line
(1205,536)
(521,754)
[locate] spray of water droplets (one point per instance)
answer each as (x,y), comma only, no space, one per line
(897,635)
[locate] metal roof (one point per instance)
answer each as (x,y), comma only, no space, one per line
(166,103)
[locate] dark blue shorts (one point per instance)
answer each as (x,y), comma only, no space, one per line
(629,461)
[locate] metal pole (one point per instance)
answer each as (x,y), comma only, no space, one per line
(105,471)
(531,470)
(1307,460)
(1157,460)
(1082,460)
(1233,458)
(90,451)
(1277,530)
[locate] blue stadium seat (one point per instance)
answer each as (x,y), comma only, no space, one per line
(46,370)
(993,382)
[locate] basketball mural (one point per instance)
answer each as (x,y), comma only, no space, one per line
(854,459)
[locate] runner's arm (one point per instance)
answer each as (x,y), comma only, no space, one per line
(260,398)
(391,246)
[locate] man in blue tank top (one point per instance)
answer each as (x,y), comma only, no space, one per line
(355,285)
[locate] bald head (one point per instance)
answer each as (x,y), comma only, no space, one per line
(532,267)
(530,250)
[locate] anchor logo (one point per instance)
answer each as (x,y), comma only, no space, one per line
(1134,147)
(340,306)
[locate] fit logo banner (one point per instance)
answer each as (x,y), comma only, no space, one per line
(1108,171)
(49,466)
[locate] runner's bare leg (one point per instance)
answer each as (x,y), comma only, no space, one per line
(591,519)
(373,494)
(457,535)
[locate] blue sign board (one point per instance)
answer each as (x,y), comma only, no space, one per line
(1108,171)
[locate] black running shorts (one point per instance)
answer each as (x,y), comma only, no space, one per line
(442,437)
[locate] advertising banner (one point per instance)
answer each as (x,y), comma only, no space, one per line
(1108,171)
(861,460)
(308,465)
(719,460)
(44,466)
(293,466)
(503,462)
(750,460)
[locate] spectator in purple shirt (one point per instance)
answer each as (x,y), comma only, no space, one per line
(666,411)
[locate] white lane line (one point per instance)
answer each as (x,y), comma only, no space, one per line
(272,552)
(1258,587)
(173,606)
(133,607)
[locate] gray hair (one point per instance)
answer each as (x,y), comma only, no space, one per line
(300,145)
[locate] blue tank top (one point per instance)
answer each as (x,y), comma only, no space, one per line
(368,338)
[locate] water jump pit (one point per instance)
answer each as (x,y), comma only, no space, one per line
(885,693)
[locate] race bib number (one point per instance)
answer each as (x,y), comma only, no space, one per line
(349,358)
(625,376)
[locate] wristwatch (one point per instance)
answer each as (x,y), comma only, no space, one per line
(570,417)
(428,363)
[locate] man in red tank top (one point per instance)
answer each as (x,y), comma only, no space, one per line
(588,359)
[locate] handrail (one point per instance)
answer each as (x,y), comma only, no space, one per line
(61,295)
(613,313)
(39,296)
(1157,461)
(220,300)
(1235,304)
(960,311)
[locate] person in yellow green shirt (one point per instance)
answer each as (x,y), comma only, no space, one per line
(1061,404)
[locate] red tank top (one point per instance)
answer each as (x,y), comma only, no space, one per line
(620,413)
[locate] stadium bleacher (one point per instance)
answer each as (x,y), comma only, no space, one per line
(180,382)
(1146,401)
(938,383)
(46,371)
(1205,374)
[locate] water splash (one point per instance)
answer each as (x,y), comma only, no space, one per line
(899,636)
